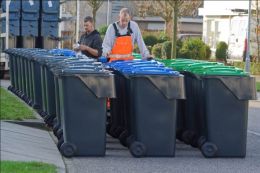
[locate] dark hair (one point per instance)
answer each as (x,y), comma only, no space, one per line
(88,19)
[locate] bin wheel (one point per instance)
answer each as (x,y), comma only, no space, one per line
(55,121)
(55,129)
(118,131)
(49,120)
(10,88)
(201,141)
(209,149)
(137,149)
(194,141)
(59,134)
(122,138)
(67,149)
(130,139)
(187,136)
(60,142)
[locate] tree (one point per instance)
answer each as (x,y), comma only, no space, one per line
(170,11)
(94,4)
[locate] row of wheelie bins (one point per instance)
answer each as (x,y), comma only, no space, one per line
(214,115)
(204,104)
(69,93)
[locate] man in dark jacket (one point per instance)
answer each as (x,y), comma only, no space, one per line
(90,42)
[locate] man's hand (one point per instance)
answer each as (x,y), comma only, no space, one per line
(83,47)
(149,58)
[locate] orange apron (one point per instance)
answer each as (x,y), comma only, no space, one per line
(123,48)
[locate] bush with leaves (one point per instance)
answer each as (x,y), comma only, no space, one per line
(102,30)
(150,40)
(166,50)
(194,48)
(208,52)
(221,51)
(163,37)
(157,50)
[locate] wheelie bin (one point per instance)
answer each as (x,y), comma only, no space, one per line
(55,67)
(83,94)
(223,94)
(11,53)
(117,123)
(150,95)
(187,122)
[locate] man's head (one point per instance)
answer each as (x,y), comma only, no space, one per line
(88,24)
(124,17)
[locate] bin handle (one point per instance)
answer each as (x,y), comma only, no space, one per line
(50,20)
(30,11)
(50,11)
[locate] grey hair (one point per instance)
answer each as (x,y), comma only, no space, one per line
(125,11)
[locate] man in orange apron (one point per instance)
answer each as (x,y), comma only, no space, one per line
(120,38)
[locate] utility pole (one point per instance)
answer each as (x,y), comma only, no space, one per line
(247,65)
(108,12)
(77,21)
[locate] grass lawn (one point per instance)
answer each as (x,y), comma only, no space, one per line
(12,108)
(258,86)
(26,167)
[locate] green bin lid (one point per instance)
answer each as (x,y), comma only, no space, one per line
(137,55)
(199,65)
(221,71)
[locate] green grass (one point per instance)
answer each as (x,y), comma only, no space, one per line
(258,86)
(12,108)
(26,167)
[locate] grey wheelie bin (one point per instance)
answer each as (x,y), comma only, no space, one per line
(224,94)
(117,123)
(151,93)
(11,53)
(36,81)
(55,67)
(187,121)
(83,94)
(48,88)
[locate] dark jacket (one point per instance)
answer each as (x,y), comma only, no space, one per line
(92,40)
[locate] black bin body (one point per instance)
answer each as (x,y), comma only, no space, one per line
(224,114)
(150,112)
(83,112)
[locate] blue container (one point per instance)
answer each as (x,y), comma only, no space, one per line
(30,10)
(14,26)
(49,28)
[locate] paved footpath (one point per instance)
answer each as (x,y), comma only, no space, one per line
(23,143)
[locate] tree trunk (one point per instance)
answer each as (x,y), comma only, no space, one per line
(168,27)
(174,31)
(94,12)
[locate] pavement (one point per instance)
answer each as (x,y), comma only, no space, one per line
(26,143)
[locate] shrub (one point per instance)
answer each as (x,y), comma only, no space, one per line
(163,37)
(150,40)
(178,48)
(166,49)
(102,30)
(194,48)
(208,52)
(157,50)
(221,51)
